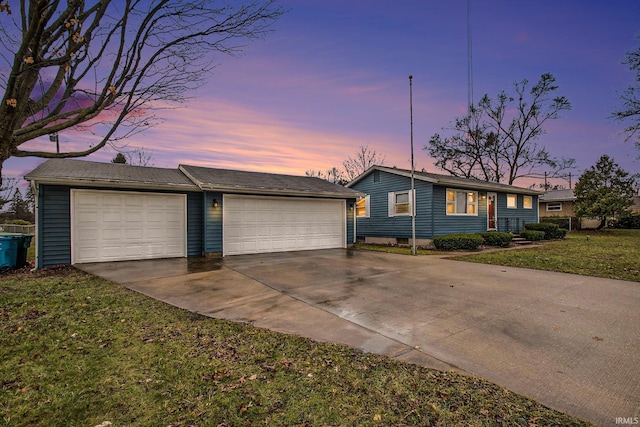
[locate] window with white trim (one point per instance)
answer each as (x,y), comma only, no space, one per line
(527,202)
(512,201)
(554,207)
(462,202)
(400,203)
(362,207)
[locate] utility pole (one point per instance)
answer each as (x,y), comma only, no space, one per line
(53,137)
(413,170)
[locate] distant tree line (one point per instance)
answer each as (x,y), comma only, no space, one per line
(14,204)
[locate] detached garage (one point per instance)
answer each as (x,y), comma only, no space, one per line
(98,212)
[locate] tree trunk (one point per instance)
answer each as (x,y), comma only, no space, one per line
(4,155)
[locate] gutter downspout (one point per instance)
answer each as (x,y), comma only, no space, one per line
(36,208)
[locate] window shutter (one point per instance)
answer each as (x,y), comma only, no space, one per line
(392,204)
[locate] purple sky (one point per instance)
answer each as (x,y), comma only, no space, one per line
(334,76)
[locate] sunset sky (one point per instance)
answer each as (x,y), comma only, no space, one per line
(334,76)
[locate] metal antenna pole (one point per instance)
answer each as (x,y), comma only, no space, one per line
(469,59)
(413,170)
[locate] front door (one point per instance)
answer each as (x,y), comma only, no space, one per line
(492,211)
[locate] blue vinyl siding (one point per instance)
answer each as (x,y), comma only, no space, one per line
(379,224)
(54,226)
(449,224)
(212,223)
(510,219)
(431,210)
(195,215)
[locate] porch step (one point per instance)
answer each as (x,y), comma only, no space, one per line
(520,240)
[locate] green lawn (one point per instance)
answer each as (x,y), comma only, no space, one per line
(613,254)
(77,350)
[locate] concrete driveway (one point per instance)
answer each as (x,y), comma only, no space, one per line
(571,342)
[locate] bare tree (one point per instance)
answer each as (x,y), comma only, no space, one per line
(140,157)
(363,160)
(333,175)
(497,140)
(7,189)
(630,109)
(105,67)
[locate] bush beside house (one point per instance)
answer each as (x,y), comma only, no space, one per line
(533,235)
(458,242)
(550,230)
(497,238)
(631,221)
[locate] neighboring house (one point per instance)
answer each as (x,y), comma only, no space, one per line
(561,204)
(442,204)
(557,203)
(96,212)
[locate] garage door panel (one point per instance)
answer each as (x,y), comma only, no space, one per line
(268,224)
(112,226)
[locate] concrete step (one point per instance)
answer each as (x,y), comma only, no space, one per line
(520,241)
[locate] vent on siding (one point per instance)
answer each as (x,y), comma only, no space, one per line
(376,176)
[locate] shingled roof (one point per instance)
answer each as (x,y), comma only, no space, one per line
(454,181)
(235,181)
(558,196)
(85,173)
(185,178)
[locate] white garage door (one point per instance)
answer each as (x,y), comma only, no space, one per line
(117,225)
(274,224)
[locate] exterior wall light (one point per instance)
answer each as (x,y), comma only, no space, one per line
(215,203)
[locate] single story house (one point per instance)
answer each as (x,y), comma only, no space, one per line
(442,205)
(96,212)
(557,203)
(561,204)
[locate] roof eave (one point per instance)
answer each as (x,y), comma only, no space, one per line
(488,187)
(389,170)
(80,182)
(279,192)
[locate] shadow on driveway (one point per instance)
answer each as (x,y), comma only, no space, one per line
(571,342)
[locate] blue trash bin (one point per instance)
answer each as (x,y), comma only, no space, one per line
(8,250)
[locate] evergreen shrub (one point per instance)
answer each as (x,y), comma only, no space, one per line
(497,238)
(533,235)
(458,242)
